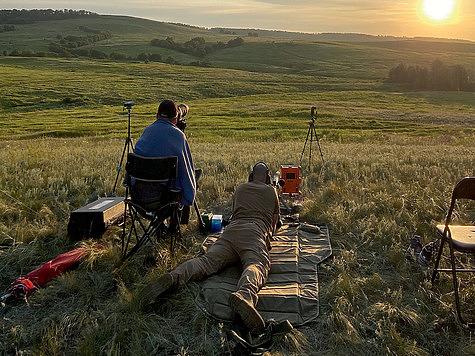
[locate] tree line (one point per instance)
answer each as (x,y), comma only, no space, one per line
(7,28)
(31,16)
(98,54)
(439,76)
(79,41)
(197,46)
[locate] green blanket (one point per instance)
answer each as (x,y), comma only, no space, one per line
(291,291)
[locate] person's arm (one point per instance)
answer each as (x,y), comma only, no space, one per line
(186,174)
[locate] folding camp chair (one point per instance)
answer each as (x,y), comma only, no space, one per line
(150,181)
(459,238)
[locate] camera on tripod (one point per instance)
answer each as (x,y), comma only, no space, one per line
(313,113)
(312,134)
(183,110)
(128,105)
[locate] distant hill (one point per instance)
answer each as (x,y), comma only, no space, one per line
(325,54)
(346,37)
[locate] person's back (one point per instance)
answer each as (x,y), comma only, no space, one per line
(257,202)
(162,138)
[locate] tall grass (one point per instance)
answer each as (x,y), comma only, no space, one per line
(374,196)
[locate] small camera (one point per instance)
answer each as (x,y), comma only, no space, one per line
(313,113)
(128,104)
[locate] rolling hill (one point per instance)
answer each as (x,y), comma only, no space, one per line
(342,55)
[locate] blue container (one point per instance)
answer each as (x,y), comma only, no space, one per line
(216,223)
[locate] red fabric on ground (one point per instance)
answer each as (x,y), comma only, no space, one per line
(23,286)
(40,276)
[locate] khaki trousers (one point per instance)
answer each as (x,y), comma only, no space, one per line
(242,242)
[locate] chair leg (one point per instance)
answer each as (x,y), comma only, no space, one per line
(456,289)
(150,231)
(126,241)
(123,228)
(437,261)
(136,247)
(173,237)
(133,230)
(200,219)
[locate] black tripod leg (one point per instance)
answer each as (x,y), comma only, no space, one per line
(304,145)
(119,167)
(319,147)
(200,219)
(124,224)
(310,154)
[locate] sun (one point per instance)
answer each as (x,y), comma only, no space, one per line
(438,10)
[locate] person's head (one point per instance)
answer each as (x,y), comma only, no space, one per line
(260,173)
(168,110)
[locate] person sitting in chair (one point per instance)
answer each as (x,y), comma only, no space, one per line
(246,239)
(160,139)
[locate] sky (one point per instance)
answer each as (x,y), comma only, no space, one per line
(375,17)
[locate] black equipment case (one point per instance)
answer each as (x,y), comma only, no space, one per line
(93,219)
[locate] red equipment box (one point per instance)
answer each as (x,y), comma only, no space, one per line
(291,176)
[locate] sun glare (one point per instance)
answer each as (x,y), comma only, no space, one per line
(438,10)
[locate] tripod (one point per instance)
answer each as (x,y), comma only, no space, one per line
(128,143)
(312,132)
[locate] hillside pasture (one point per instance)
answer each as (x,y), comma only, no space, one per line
(357,57)
(59,97)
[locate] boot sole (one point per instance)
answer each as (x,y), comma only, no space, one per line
(249,315)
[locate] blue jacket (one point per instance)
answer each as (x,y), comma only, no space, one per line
(161,139)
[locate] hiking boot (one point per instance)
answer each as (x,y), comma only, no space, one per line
(414,248)
(249,315)
(425,256)
(152,291)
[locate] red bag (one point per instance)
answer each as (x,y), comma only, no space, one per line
(24,286)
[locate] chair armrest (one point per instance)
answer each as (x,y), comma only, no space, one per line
(140,209)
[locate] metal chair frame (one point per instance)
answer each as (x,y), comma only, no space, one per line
(155,170)
(464,189)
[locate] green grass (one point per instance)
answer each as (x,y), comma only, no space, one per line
(374,197)
(392,156)
(67,98)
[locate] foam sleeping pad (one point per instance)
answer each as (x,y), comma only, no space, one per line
(291,291)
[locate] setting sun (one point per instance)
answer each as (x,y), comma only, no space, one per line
(438,10)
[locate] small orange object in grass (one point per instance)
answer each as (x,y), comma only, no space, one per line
(291,176)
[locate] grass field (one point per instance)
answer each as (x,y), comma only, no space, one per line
(373,300)
(68,98)
(393,157)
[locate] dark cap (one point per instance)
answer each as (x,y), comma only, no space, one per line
(167,109)
(260,168)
